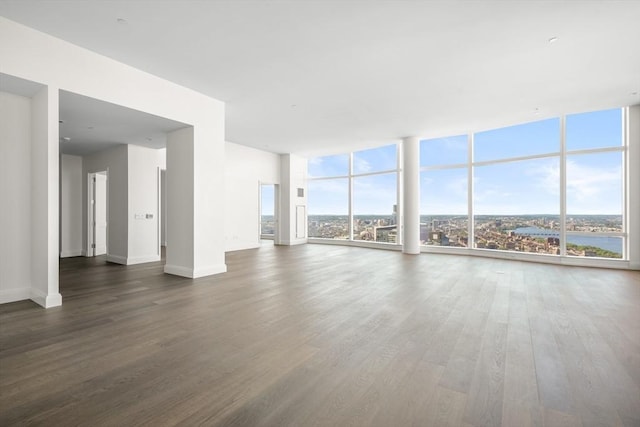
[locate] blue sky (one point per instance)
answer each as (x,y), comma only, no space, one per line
(594,181)
(267,194)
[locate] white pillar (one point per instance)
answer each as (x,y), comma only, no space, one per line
(195,199)
(44,198)
(292,228)
(633,189)
(411,195)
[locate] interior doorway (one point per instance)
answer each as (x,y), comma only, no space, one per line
(268,211)
(97,213)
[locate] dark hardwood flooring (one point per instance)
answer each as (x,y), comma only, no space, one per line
(320,335)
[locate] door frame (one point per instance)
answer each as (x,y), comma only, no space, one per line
(91,229)
(276,214)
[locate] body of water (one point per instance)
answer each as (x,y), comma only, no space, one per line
(613,244)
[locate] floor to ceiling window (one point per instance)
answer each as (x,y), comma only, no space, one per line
(552,187)
(595,202)
(328,197)
(516,194)
(444,177)
(355,196)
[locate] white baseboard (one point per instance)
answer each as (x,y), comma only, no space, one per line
(195,273)
(117,259)
(178,271)
(292,242)
(69,254)
(142,260)
(241,247)
(46,301)
(210,271)
(15,294)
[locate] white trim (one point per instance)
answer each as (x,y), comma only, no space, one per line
(195,273)
(117,259)
(357,243)
(293,242)
(210,270)
(178,271)
(142,260)
(69,254)
(46,301)
(14,294)
(495,254)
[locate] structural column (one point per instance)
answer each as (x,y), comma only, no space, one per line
(44,198)
(292,228)
(411,195)
(633,189)
(195,199)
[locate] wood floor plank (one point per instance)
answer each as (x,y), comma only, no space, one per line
(320,335)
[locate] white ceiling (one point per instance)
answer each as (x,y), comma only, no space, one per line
(92,125)
(316,77)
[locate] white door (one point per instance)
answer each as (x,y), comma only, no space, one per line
(100,214)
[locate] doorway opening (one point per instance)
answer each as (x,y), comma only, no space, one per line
(268,212)
(97,219)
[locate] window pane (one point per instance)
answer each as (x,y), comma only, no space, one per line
(517,206)
(267,204)
(443,207)
(595,246)
(443,151)
(594,184)
(597,129)
(515,141)
(329,166)
(375,160)
(328,203)
(594,192)
(374,208)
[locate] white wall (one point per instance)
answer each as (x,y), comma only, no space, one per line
(293,225)
(245,169)
(38,57)
(15,192)
(144,165)
(115,162)
(70,206)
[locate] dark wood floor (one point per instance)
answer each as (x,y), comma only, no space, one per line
(321,335)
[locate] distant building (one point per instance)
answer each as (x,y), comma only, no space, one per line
(386,233)
(438,238)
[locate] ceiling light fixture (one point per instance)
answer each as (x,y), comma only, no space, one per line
(553,39)
(60,121)
(121,21)
(66,139)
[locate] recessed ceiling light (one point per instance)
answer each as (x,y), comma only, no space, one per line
(536,110)
(634,93)
(90,127)
(121,21)
(553,39)
(149,139)
(60,121)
